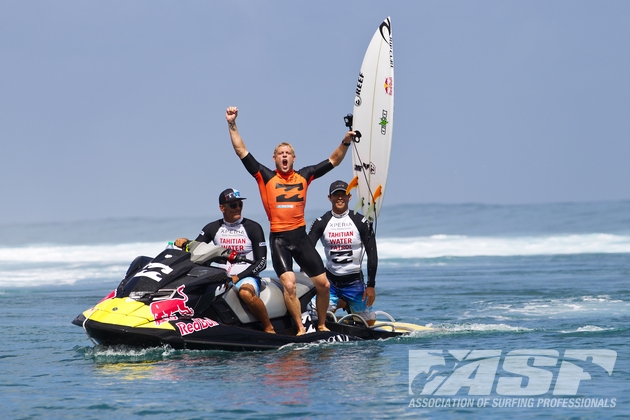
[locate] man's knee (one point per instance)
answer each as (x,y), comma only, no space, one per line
(247,293)
(321,283)
(288,282)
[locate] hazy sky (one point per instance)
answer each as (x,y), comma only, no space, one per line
(117,108)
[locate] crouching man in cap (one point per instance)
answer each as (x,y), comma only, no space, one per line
(245,237)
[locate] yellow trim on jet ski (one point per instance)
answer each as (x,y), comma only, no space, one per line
(124,312)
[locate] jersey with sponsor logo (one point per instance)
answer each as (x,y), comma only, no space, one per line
(344,237)
(284,196)
(244,236)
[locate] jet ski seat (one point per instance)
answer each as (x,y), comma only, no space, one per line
(271,294)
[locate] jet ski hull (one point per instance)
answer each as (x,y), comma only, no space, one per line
(215,337)
(169,300)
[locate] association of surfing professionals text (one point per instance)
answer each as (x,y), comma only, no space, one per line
(525,378)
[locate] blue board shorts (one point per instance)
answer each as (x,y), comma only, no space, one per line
(352,294)
(254,281)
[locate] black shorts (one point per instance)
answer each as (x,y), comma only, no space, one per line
(294,244)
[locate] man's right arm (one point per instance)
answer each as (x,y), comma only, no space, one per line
(317,230)
(206,235)
(237,142)
(209,232)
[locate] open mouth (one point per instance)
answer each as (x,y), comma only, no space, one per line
(285,162)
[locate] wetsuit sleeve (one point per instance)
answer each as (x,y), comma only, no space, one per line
(251,164)
(315,171)
(254,168)
(317,230)
(208,232)
(259,246)
(369,243)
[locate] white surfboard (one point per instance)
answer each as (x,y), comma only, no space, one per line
(373,117)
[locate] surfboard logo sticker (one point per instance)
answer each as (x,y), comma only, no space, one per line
(383,122)
(389,86)
(357,98)
(371,167)
(386,26)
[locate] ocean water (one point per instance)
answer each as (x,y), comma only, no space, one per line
(530,303)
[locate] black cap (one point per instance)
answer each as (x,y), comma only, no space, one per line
(338,186)
(230,195)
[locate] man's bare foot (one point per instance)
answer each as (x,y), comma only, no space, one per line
(270,331)
(322,328)
(300,332)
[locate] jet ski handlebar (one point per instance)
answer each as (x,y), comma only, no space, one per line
(202,253)
(239,259)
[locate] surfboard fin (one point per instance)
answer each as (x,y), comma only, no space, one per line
(359,205)
(372,209)
(368,214)
(378,193)
(353,184)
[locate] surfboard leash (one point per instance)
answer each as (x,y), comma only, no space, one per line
(348,120)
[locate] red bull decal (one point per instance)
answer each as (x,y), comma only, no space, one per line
(197,324)
(111,295)
(389,86)
(171,309)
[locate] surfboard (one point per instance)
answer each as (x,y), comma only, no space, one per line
(373,117)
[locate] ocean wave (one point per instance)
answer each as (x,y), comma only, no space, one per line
(79,254)
(436,246)
(50,264)
(602,305)
(476,327)
(53,265)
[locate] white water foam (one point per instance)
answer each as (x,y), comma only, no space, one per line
(77,254)
(476,327)
(468,246)
(39,265)
(50,265)
(603,306)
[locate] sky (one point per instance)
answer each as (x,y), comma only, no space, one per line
(116,109)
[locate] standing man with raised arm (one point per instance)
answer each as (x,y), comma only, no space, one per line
(283,193)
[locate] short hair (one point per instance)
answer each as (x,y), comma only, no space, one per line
(284,143)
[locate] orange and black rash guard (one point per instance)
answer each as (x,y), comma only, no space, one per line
(284,196)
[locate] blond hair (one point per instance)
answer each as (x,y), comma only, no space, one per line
(284,143)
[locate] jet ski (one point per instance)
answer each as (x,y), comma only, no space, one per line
(179,299)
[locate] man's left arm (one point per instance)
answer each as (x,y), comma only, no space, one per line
(368,238)
(317,171)
(337,157)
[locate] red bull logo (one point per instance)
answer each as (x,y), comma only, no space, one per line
(389,86)
(196,324)
(171,309)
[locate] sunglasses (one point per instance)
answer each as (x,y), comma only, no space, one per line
(235,205)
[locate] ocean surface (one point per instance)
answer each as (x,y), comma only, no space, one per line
(530,303)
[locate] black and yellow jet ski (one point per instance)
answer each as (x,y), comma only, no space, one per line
(178,299)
